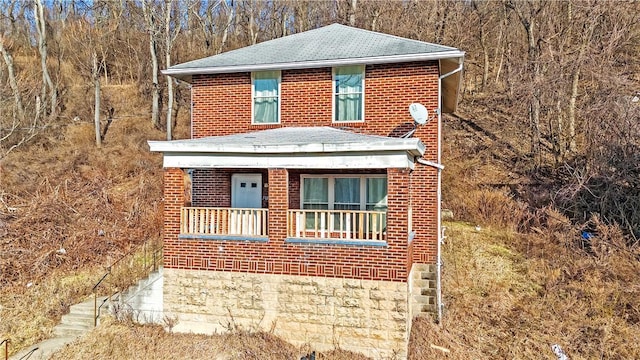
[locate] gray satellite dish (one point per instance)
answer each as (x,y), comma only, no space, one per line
(419,113)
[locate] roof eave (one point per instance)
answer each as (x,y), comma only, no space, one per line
(412,146)
(185,74)
(451,84)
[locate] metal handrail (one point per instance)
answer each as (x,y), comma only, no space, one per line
(28,355)
(153,265)
(6,348)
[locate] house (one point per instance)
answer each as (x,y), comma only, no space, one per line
(307,200)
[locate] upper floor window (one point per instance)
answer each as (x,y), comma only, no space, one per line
(348,93)
(265,86)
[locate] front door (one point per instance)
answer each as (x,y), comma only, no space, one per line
(246,191)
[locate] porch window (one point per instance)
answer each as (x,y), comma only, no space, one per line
(367,192)
(357,192)
(348,93)
(266,97)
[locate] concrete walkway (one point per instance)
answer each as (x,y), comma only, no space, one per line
(76,323)
(144,300)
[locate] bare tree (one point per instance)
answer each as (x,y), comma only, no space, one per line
(41,24)
(8,60)
(152,29)
(169,36)
(95,76)
(527,13)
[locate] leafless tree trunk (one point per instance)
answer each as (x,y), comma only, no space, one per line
(38,11)
(535,74)
(225,31)
(13,83)
(587,33)
(169,38)
(95,76)
(253,34)
(155,91)
(352,12)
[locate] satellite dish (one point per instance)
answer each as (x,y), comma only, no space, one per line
(419,113)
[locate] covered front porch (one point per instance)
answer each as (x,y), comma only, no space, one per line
(335,188)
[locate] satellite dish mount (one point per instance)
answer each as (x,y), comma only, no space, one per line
(420,116)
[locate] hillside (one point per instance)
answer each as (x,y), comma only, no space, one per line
(545,144)
(522,283)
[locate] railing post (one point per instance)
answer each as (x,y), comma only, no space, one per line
(95,309)
(6,349)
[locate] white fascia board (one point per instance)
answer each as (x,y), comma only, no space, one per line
(413,146)
(386,160)
(185,72)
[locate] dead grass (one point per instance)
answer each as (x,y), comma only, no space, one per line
(66,194)
(67,210)
(514,296)
(28,312)
(124,340)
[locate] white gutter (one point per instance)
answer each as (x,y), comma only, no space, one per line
(439,197)
(182,72)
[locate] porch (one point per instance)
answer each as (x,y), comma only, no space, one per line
(289,185)
(305,225)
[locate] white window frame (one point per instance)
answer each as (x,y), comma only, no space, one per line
(333,96)
(253,97)
(330,187)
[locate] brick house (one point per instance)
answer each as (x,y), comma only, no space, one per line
(307,200)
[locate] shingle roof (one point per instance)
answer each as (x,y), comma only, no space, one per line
(331,45)
(291,140)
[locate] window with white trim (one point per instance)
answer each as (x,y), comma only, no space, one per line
(348,93)
(344,192)
(265,89)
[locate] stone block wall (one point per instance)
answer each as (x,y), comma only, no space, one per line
(366,316)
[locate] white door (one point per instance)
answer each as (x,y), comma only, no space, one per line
(246,191)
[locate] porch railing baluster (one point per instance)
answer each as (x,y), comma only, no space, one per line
(223,221)
(337,224)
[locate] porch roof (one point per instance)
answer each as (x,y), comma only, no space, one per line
(291,147)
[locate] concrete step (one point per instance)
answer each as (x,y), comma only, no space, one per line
(423,300)
(424,284)
(76,318)
(44,350)
(418,309)
(71,330)
(86,305)
(428,292)
(427,275)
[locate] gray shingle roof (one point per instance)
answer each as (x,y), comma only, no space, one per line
(331,45)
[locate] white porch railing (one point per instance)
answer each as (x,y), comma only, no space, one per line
(337,224)
(223,221)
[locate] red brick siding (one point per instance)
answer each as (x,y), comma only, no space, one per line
(173,201)
(212,187)
(222,102)
(222,105)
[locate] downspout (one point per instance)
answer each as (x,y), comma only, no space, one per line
(439,196)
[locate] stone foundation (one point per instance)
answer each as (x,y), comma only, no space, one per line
(365,316)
